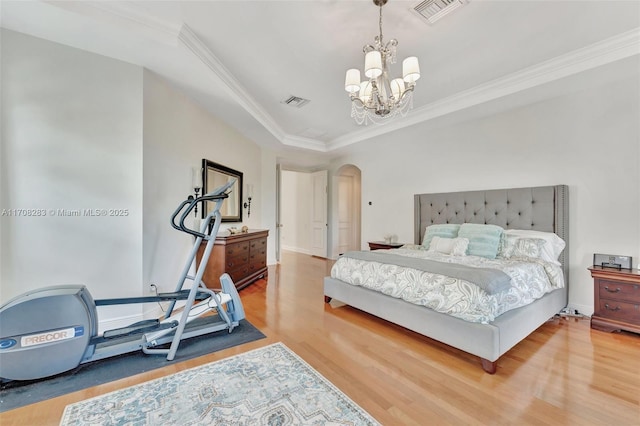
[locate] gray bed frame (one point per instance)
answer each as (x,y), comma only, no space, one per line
(543,208)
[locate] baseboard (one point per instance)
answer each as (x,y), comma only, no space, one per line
(296,249)
(583,309)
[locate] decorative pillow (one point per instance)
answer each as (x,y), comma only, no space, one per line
(507,245)
(521,247)
(552,247)
(445,230)
(453,246)
(484,240)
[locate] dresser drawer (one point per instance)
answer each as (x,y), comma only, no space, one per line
(238,272)
(257,264)
(616,309)
(242,255)
(619,291)
(236,261)
(237,249)
(259,244)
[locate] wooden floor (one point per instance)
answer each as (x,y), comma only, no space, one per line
(564,373)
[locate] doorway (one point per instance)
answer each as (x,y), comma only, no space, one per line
(348,209)
(302,214)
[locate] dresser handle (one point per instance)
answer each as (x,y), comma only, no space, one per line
(606,306)
(617,290)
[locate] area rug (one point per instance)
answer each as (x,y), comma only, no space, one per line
(17,394)
(267,386)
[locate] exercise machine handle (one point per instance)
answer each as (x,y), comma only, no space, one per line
(218,194)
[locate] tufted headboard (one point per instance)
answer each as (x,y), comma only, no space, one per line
(542,208)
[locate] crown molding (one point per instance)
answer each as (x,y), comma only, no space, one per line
(601,53)
(190,40)
(302,142)
(133,17)
(125,15)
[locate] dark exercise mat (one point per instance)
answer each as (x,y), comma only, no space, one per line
(16,394)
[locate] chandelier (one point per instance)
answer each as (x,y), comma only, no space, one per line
(379,98)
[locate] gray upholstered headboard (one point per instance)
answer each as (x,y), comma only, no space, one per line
(543,208)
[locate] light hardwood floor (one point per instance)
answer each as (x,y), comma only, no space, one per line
(564,373)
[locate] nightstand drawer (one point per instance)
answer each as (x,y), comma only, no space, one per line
(619,291)
(616,297)
(616,309)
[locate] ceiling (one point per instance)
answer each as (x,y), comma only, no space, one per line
(240,59)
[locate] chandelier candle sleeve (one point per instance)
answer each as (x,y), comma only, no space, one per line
(379,98)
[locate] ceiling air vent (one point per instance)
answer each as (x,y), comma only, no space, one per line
(295,101)
(433,10)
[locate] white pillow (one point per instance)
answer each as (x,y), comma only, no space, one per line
(452,246)
(553,245)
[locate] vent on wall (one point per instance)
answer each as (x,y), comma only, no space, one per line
(433,10)
(295,101)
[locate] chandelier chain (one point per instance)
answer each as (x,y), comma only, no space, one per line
(380,24)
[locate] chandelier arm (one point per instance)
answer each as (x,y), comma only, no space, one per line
(406,93)
(368,48)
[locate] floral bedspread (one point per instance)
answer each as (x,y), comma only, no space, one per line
(530,280)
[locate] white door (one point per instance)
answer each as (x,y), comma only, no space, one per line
(319,213)
(345,213)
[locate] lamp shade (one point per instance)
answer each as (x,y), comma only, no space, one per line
(365,91)
(373,64)
(352,81)
(397,87)
(410,69)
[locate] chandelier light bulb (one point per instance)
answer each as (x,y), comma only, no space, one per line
(365,91)
(397,87)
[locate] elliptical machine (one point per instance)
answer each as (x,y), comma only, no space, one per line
(54,329)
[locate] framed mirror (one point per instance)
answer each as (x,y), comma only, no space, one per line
(215,175)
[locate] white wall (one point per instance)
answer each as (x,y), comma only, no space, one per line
(589,140)
(178,134)
(295,215)
(265,201)
(71,140)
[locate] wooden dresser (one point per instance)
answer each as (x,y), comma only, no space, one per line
(243,256)
(616,299)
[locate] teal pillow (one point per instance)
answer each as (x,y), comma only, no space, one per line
(484,240)
(445,230)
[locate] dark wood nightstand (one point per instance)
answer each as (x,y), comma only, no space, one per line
(616,299)
(381,245)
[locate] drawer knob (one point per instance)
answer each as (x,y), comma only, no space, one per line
(606,306)
(617,290)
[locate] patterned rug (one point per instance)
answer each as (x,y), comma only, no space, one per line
(266,386)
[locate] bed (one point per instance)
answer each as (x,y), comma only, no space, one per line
(542,209)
